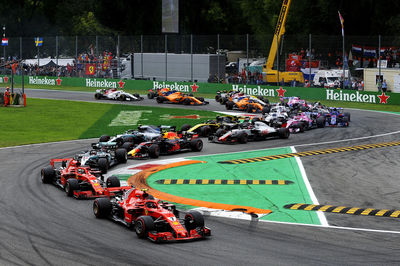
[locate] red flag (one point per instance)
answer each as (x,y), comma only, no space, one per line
(341,22)
(90,69)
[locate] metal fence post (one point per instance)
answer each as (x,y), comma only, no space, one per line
(20,48)
(57,52)
(309,59)
(76,55)
(141,53)
(218,56)
(166,53)
(191,57)
(118,66)
(379,63)
(97,56)
(277,61)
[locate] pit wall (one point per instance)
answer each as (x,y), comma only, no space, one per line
(142,86)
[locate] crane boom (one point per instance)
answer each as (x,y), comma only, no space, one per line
(271,75)
(279,31)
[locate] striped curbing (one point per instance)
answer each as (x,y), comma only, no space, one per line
(344,210)
(311,153)
(222,182)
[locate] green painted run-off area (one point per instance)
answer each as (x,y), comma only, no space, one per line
(272,197)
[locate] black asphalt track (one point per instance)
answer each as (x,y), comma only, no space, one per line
(39,225)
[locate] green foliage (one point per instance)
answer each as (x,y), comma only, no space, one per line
(133,17)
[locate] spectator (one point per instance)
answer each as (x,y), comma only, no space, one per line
(384,85)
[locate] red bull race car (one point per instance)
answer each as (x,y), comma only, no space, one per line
(170,142)
(150,217)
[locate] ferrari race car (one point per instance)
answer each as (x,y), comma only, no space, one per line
(170,142)
(257,130)
(79,181)
(102,157)
(151,218)
(180,98)
(211,126)
(336,117)
(114,94)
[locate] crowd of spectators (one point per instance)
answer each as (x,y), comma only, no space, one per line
(103,66)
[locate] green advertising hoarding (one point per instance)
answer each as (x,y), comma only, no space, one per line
(142,86)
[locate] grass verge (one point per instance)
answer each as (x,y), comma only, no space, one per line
(56,120)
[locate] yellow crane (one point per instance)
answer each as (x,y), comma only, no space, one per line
(271,75)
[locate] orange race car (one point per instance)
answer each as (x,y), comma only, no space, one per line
(248,104)
(157,92)
(180,98)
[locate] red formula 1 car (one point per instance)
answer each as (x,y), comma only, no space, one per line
(152,218)
(79,181)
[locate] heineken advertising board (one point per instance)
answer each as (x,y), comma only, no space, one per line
(142,86)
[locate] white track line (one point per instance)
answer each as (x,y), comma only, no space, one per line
(334,227)
(321,215)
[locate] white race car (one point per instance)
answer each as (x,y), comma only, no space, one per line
(114,94)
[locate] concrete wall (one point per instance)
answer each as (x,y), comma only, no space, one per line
(391,75)
(178,67)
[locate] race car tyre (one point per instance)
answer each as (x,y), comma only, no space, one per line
(229,105)
(302,127)
(97,96)
(70,186)
(196,144)
(217,98)
(47,174)
(102,207)
(154,151)
(265,110)
(345,121)
(193,219)
(122,97)
(201,99)
(321,122)
(185,127)
(137,95)
(113,181)
(242,138)
(121,155)
(283,133)
(102,164)
(186,101)
(348,116)
(128,139)
(220,132)
(266,100)
(104,138)
(205,131)
(143,225)
(128,146)
(150,95)
(160,99)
